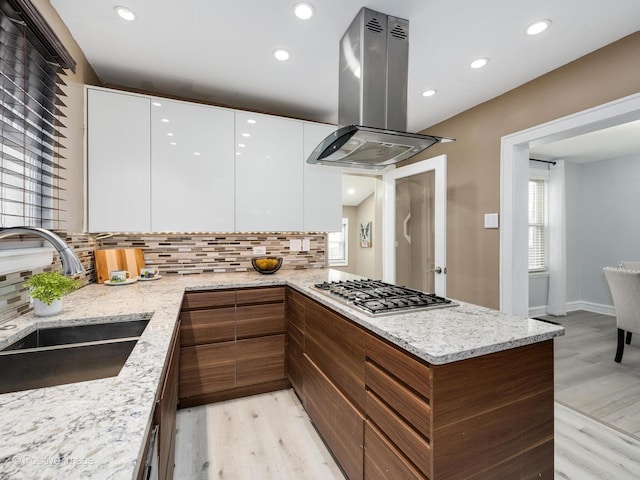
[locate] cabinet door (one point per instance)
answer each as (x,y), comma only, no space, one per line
(260,360)
(295,340)
(322,186)
(166,413)
(118,162)
(192,167)
(207,368)
(269,173)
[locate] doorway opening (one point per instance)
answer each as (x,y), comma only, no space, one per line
(514,174)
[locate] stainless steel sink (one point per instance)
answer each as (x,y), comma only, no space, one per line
(61,355)
(47,337)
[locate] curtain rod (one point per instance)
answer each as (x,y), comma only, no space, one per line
(552,162)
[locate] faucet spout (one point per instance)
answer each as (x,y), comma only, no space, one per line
(71,264)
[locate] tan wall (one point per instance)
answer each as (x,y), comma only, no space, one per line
(474,158)
(73,185)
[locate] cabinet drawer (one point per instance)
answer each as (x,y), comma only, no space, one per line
(260,360)
(259,295)
(409,405)
(260,320)
(405,438)
(200,327)
(336,418)
(382,461)
(415,374)
(208,299)
(207,368)
(336,346)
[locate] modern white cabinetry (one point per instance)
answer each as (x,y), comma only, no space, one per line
(118,162)
(159,165)
(192,167)
(269,173)
(322,185)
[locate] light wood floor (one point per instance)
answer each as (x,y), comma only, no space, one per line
(270,436)
(586,377)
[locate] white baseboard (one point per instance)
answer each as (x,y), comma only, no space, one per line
(577,305)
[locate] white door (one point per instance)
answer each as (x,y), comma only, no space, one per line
(426,233)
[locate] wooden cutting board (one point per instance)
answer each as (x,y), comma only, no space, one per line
(130,259)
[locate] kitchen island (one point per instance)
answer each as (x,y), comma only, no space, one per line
(98,428)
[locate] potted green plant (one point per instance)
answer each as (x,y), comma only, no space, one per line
(47,289)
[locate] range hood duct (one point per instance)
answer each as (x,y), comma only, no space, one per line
(372,100)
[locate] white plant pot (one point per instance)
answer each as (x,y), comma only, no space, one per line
(41,309)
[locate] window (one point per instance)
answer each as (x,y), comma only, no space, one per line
(32,61)
(538,186)
(339,246)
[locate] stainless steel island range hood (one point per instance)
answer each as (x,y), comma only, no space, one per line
(372,103)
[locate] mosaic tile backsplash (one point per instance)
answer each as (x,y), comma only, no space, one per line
(172,254)
(219,253)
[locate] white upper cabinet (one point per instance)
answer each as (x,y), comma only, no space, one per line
(322,185)
(269,173)
(118,162)
(192,167)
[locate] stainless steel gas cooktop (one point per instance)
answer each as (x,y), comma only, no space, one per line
(377,298)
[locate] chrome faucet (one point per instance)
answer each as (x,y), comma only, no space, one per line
(71,264)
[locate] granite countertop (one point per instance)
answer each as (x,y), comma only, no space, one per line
(96,429)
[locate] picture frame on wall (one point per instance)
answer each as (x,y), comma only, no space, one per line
(366,234)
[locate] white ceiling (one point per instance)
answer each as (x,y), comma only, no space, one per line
(613,142)
(356,188)
(221,51)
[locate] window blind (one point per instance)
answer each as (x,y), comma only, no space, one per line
(31,96)
(537,225)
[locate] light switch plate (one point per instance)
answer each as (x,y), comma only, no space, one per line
(295,244)
(490,220)
(259,250)
(306,244)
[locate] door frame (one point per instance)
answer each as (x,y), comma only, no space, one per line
(439,166)
(514,175)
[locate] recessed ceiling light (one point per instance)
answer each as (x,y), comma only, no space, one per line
(172,143)
(351,191)
(281,55)
(538,27)
(156,104)
(197,154)
(125,13)
(303,10)
(164,120)
(479,62)
(246,135)
(251,121)
(169,134)
(429,93)
(241,145)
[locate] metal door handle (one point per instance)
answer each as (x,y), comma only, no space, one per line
(436,270)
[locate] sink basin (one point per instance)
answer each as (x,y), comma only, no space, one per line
(47,337)
(46,367)
(61,355)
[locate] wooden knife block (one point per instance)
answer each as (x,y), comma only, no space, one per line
(106,261)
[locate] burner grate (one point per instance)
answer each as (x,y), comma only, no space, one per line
(377,297)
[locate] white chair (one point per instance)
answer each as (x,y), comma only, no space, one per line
(625,290)
(629,265)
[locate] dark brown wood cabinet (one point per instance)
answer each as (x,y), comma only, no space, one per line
(164,415)
(334,373)
(295,341)
(233,344)
(385,413)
